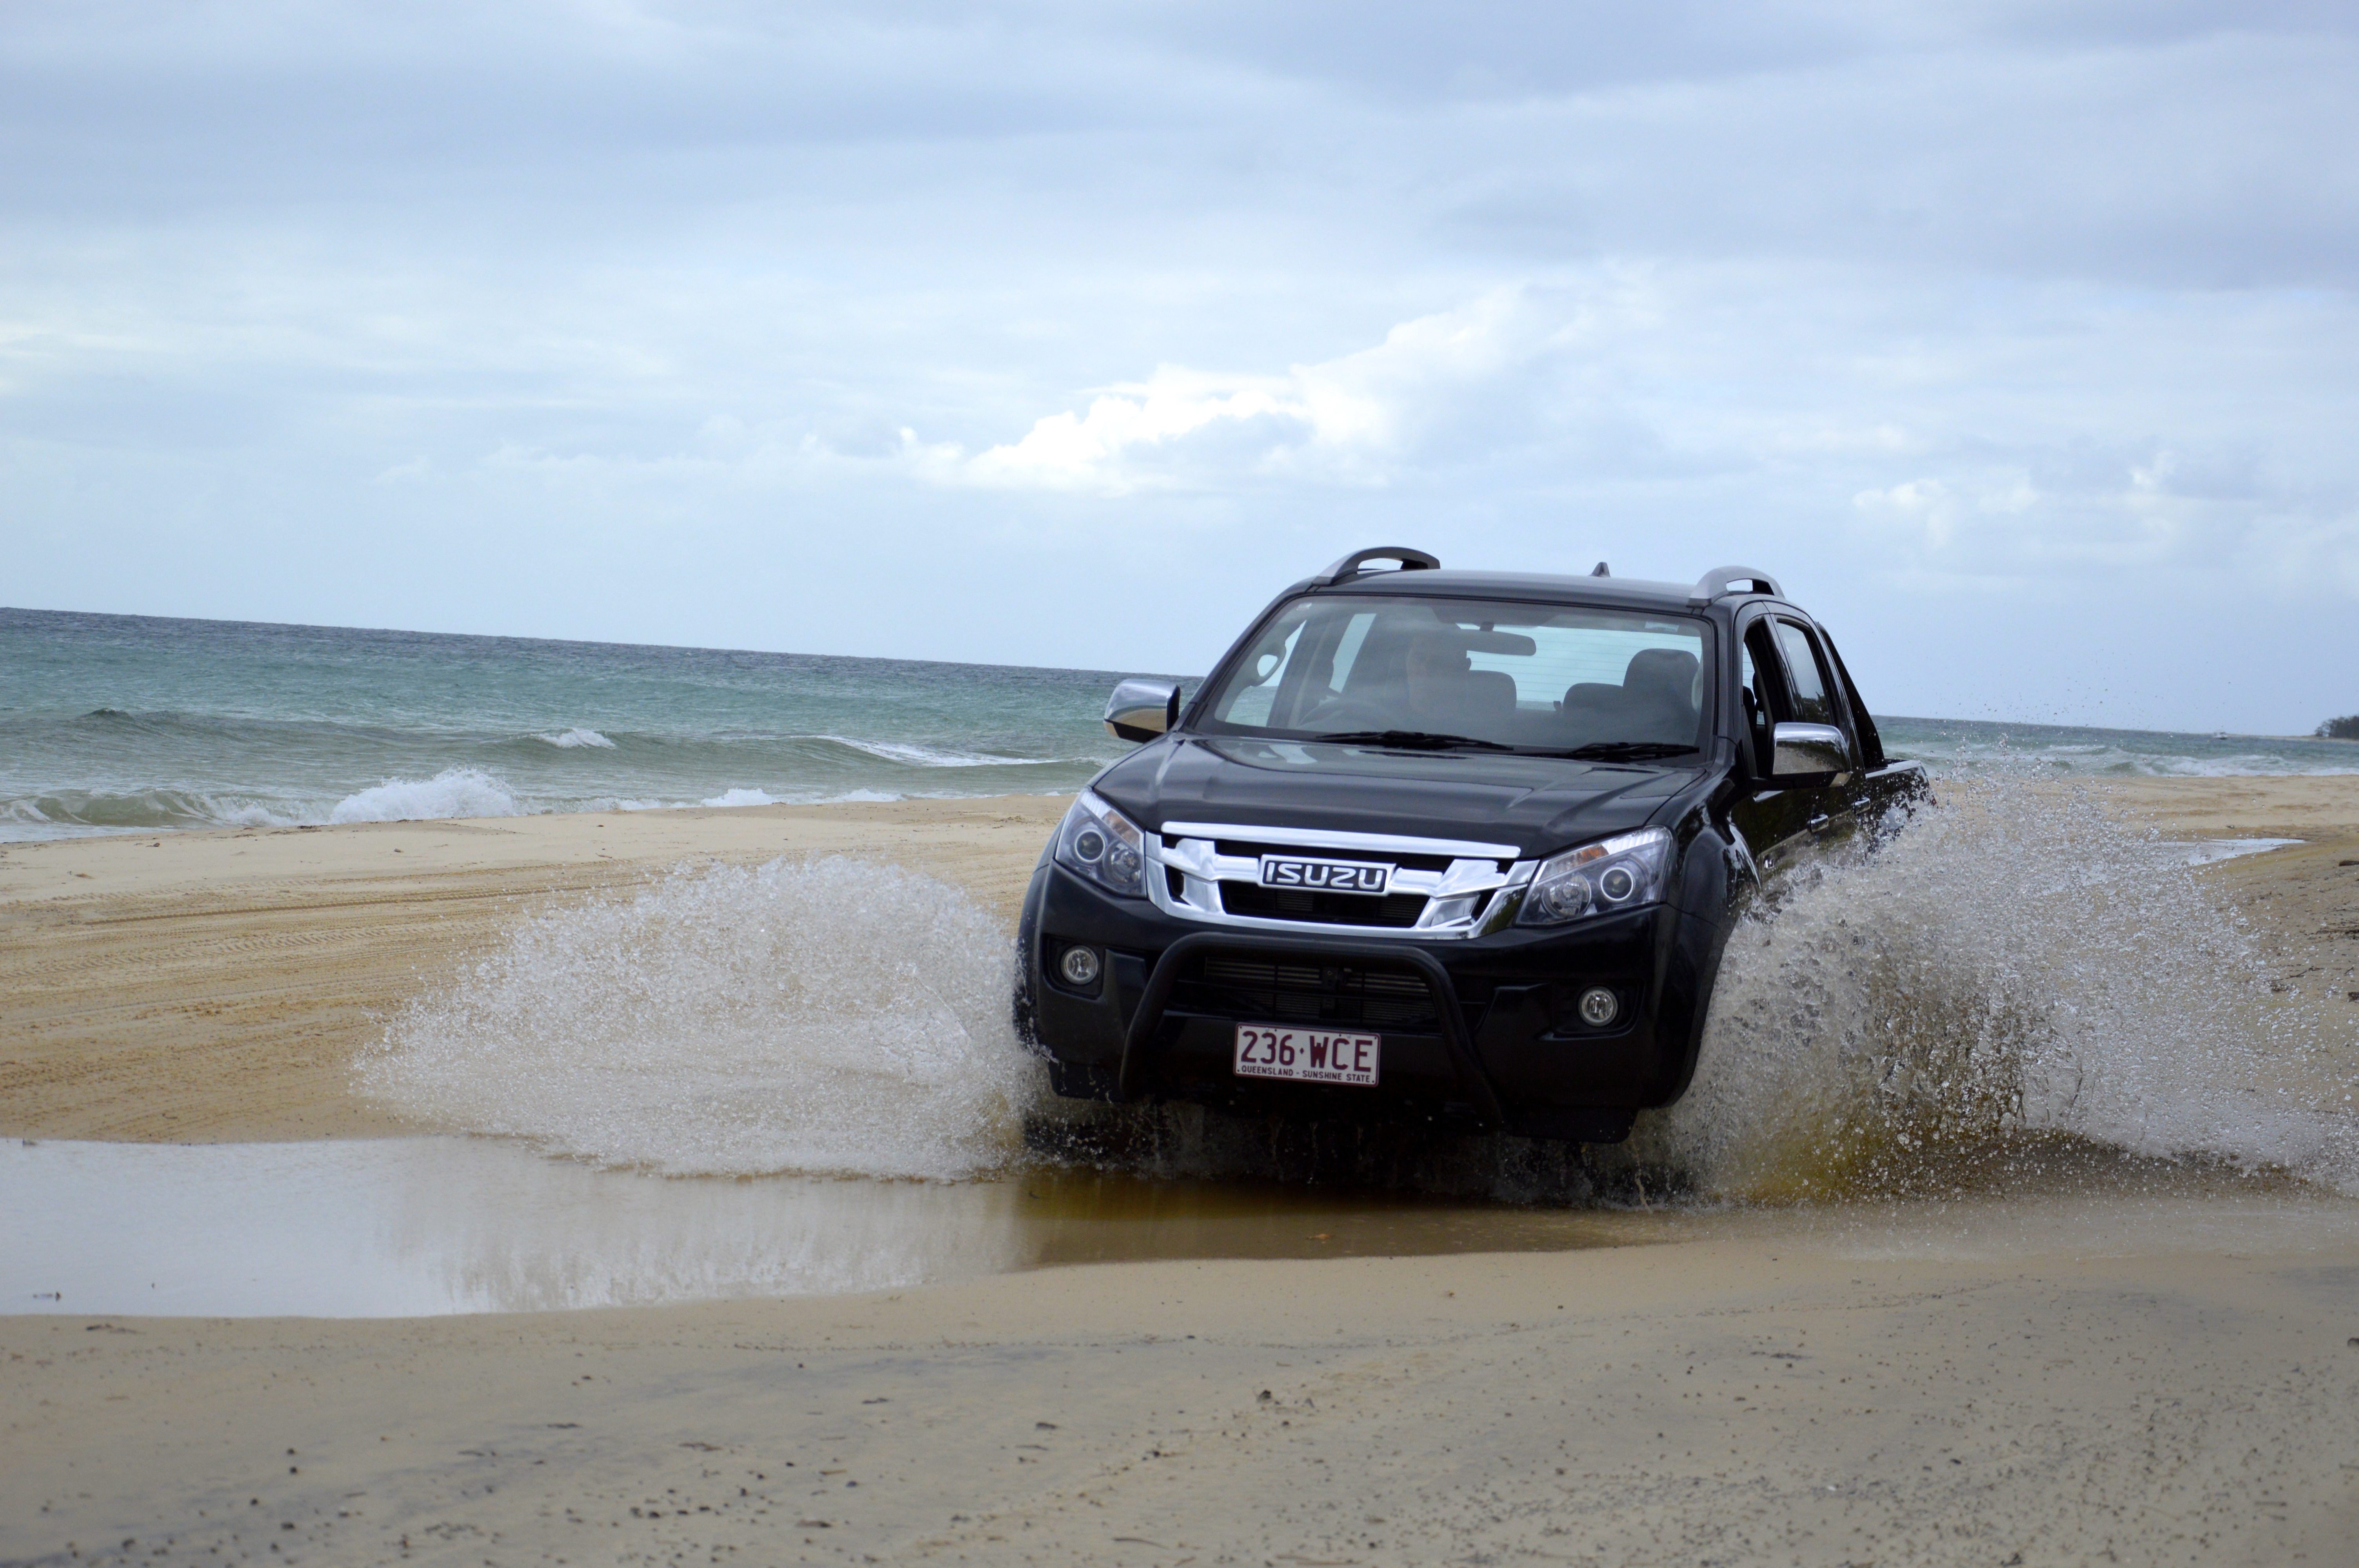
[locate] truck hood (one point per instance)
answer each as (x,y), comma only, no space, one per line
(1539,805)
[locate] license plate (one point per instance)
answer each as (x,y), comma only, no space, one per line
(1306,1056)
(1370,877)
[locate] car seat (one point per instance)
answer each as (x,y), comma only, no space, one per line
(1489,695)
(1661,686)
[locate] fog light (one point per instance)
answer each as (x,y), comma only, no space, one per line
(1599,1007)
(1080,966)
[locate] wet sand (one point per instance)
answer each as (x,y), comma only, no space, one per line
(1937,1383)
(2314,808)
(1734,1402)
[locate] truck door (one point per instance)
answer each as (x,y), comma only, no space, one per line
(1774,820)
(1832,810)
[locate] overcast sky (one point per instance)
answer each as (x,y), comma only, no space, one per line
(2020,340)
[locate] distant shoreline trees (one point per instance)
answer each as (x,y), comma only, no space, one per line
(2344,728)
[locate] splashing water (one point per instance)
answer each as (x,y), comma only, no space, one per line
(2011,989)
(833,1017)
(2014,986)
(2013,994)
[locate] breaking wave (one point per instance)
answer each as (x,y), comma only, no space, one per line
(836,1017)
(742,796)
(929,756)
(68,813)
(571,740)
(454,791)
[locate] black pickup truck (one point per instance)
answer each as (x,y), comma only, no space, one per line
(1452,845)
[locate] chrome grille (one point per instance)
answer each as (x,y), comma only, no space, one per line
(1440,888)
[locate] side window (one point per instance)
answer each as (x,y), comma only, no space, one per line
(1764,692)
(1871,744)
(1347,650)
(1811,703)
(1252,699)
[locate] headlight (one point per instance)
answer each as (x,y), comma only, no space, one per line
(1100,844)
(1621,872)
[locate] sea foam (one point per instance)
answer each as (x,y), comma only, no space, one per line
(928,756)
(454,791)
(742,796)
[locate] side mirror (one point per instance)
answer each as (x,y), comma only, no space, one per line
(1808,751)
(1143,707)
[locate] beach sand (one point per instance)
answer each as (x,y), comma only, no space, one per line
(1876,1388)
(1726,1402)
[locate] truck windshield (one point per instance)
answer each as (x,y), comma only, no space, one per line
(1473,673)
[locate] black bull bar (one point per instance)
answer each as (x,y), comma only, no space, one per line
(1137,1045)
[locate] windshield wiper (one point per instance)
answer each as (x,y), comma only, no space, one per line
(1625,751)
(1412,740)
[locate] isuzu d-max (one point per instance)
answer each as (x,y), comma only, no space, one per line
(1452,845)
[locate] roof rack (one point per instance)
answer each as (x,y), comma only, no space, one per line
(1349,566)
(1720,581)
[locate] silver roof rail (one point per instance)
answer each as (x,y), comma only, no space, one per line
(1349,566)
(1719,581)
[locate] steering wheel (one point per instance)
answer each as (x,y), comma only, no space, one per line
(1354,713)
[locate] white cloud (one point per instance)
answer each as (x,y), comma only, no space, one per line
(1354,419)
(1144,434)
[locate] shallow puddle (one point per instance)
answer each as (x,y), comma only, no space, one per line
(415,1227)
(419,1227)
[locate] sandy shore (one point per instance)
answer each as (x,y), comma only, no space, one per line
(1822,1390)
(2315,807)
(1733,1402)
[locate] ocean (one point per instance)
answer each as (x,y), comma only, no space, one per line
(118,723)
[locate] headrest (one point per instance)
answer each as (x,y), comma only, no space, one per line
(1662,672)
(1491,693)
